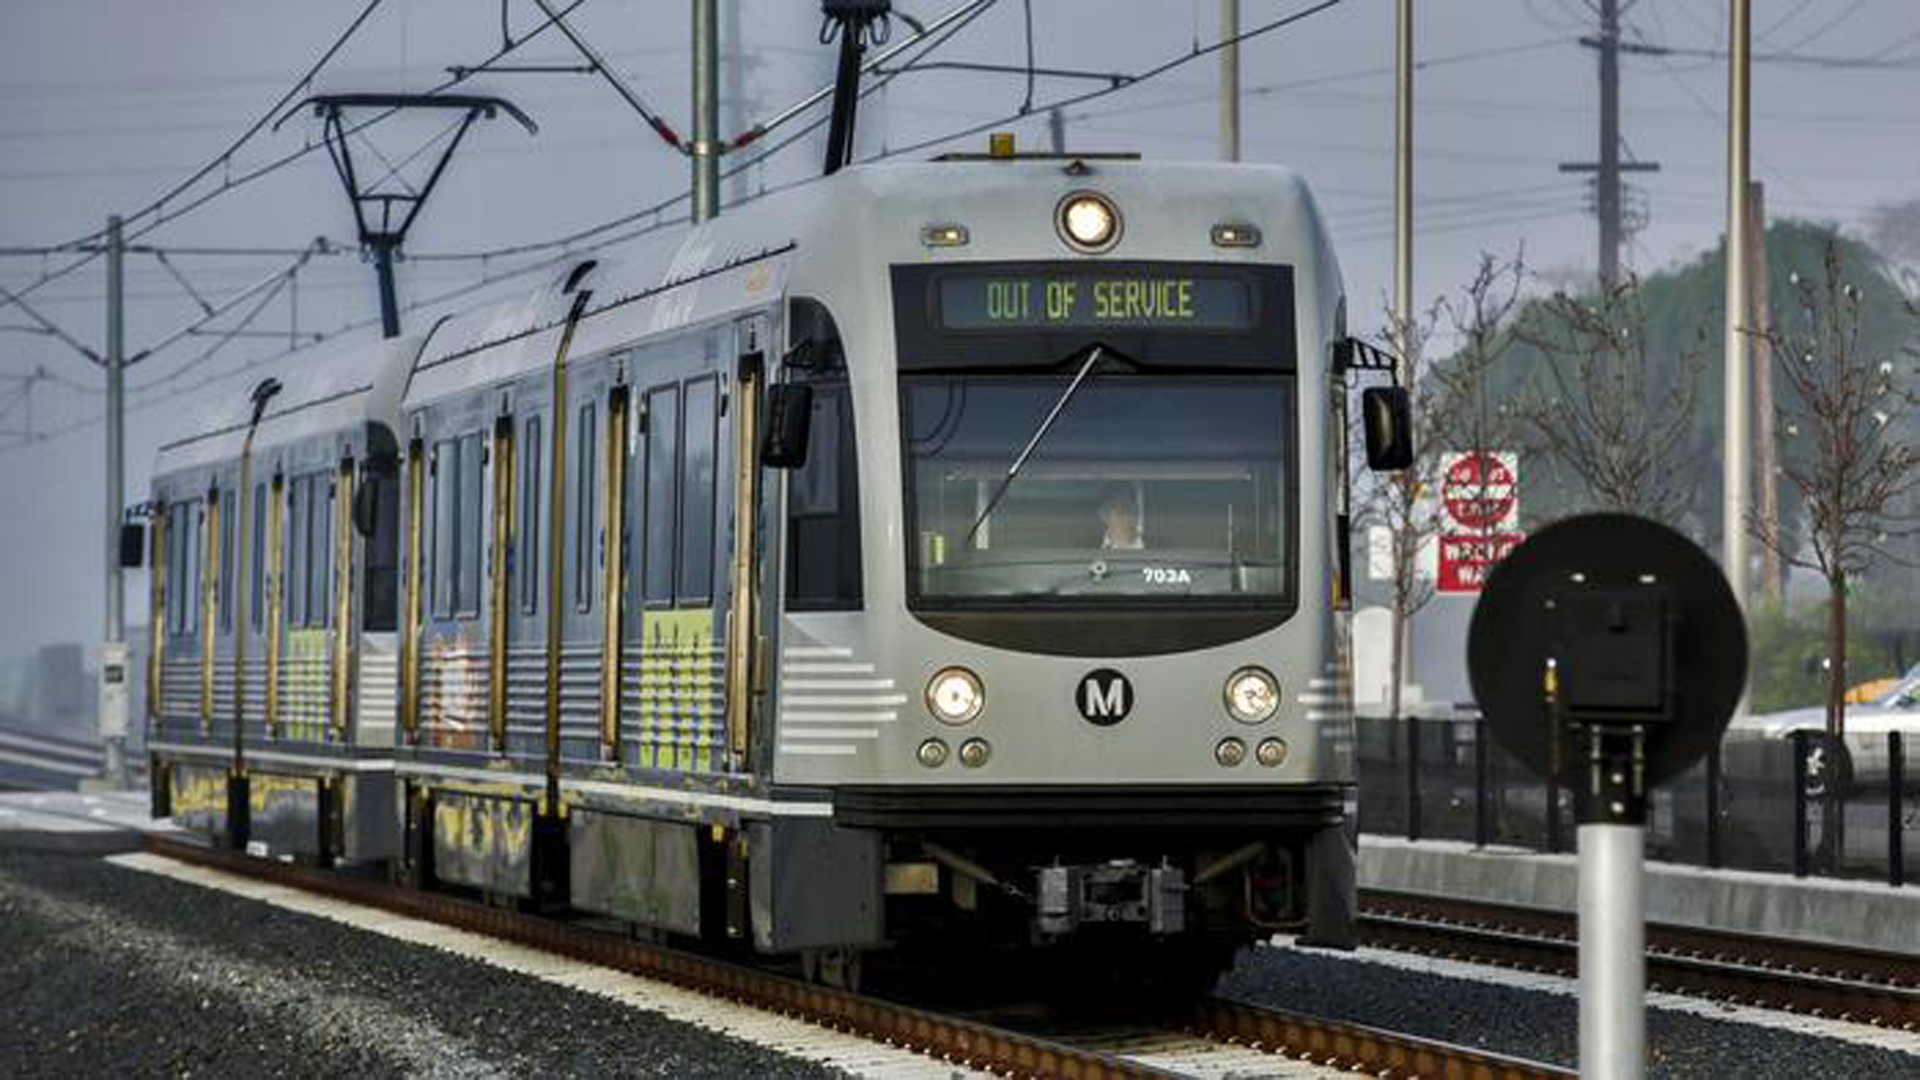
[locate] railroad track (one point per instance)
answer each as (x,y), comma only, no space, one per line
(962,1041)
(1863,986)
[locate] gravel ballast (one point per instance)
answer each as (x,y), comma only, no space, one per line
(116,972)
(1535,1024)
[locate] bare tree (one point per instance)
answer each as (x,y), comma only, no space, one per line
(1845,448)
(1455,408)
(1397,502)
(1607,412)
(1472,414)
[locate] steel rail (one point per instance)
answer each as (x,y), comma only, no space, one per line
(1841,982)
(962,1041)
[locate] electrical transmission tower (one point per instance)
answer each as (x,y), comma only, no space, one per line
(1617,218)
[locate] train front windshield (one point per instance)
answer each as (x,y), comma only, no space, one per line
(1157,488)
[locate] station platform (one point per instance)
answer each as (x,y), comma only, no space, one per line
(1858,914)
(80,822)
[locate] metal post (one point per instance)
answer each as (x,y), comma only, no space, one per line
(1607,179)
(1057,130)
(1799,802)
(1230,81)
(1613,895)
(1738,406)
(1896,808)
(706,112)
(1413,777)
(112,721)
(389,298)
(1713,807)
(1555,841)
(1482,781)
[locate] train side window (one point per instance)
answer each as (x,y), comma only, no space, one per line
(469,534)
(530,519)
(193,512)
(700,430)
(445,464)
(180,529)
(226,560)
(585,505)
(823,496)
(257,564)
(663,470)
(296,564)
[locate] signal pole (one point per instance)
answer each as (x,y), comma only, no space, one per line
(1607,185)
(1403,186)
(706,112)
(1230,81)
(113,652)
(1738,407)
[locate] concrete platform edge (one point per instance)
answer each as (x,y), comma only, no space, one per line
(1860,914)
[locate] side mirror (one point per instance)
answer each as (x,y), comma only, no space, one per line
(789,421)
(133,545)
(366,507)
(1388,415)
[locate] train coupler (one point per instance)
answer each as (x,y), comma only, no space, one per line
(1121,891)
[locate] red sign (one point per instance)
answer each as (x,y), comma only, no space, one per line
(1479,492)
(1465,561)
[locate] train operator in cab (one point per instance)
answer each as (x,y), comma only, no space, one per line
(1120,520)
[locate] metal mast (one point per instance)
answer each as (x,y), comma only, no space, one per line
(706,111)
(113,719)
(1738,406)
(1230,81)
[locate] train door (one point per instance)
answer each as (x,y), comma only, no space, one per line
(249,576)
(221,650)
(584,484)
(522,477)
(304,684)
(674,715)
(452,671)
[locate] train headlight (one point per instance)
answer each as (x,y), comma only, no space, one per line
(1089,221)
(1230,752)
(1271,752)
(932,753)
(1252,695)
(955,695)
(974,753)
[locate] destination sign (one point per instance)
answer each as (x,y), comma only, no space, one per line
(1085,299)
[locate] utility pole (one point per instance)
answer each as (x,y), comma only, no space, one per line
(1607,200)
(706,111)
(1403,187)
(1230,81)
(1738,408)
(1765,461)
(113,651)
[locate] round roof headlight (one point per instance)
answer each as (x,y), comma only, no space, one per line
(1252,695)
(1089,221)
(955,695)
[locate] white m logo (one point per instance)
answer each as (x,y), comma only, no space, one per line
(1105,697)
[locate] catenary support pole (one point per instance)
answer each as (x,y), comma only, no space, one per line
(1607,179)
(706,111)
(1738,405)
(1613,893)
(113,705)
(1230,81)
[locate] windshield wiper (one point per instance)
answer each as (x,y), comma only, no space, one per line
(1039,433)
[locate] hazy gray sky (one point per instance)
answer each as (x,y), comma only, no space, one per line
(112,101)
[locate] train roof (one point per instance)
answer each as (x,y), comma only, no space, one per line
(337,390)
(747,255)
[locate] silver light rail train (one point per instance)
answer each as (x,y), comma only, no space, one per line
(949,552)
